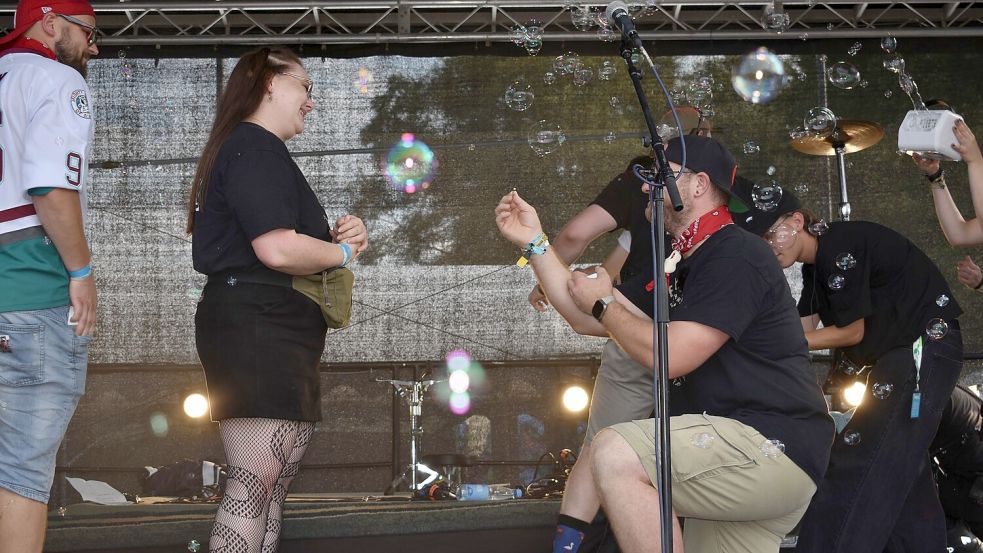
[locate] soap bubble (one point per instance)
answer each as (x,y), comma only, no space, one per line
(564,64)
(882,390)
(820,121)
(843,75)
(889,44)
(610,137)
(771,170)
(888,94)
(836,282)
(777,21)
(855,49)
(942,300)
(582,18)
(766,195)
(194,546)
(759,76)
(851,437)
(703,440)
(549,77)
(801,188)
(937,329)
(545,137)
(819,228)
(582,75)
(410,164)
(607,71)
(751,147)
(846,261)
(519,96)
(362,81)
(894,63)
(772,449)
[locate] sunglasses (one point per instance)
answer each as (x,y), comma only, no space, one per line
(92,37)
(308,84)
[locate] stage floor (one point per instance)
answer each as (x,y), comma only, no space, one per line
(316,523)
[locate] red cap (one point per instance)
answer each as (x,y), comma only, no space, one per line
(30,12)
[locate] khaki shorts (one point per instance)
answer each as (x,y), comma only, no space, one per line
(735,499)
(622,391)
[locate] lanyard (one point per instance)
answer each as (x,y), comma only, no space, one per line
(916,396)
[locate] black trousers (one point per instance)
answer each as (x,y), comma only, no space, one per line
(878,494)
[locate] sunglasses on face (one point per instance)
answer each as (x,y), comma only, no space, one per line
(92,36)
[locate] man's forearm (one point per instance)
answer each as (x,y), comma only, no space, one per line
(553,276)
(60,212)
(631,332)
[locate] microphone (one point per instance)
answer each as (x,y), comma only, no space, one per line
(617,14)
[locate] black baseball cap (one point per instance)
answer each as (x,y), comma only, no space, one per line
(758,221)
(706,155)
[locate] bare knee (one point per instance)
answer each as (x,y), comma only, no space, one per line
(612,458)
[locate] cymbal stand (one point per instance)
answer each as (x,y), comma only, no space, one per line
(412,391)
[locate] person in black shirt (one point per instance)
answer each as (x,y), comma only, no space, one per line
(958,451)
(747,414)
(255,222)
(886,306)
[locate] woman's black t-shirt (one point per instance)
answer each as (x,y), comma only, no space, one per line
(867,271)
(255,187)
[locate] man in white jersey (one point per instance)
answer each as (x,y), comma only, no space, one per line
(47,288)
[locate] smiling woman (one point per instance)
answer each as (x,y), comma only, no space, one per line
(256,223)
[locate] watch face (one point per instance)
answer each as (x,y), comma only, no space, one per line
(598,309)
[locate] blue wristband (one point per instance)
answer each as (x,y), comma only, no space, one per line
(347,251)
(82,273)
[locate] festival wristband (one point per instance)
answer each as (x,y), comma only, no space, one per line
(537,246)
(81,274)
(347,251)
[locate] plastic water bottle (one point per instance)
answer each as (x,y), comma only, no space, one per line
(487,492)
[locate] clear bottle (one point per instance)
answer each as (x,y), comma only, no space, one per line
(487,492)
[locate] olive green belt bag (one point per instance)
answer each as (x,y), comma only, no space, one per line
(332,291)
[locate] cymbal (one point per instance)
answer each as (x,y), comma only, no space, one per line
(853,135)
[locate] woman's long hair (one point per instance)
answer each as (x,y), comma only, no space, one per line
(241,98)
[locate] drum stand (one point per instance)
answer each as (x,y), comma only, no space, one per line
(412,391)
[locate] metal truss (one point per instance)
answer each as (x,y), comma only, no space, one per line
(252,22)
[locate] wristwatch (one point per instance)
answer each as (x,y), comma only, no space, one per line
(600,306)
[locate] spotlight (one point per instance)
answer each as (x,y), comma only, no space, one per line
(854,395)
(459,381)
(575,398)
(195,405)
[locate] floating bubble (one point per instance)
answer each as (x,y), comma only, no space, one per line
(889,44)
(194,546)
(937,329)
(829,27)
(471,147)
(851,437)
(362,81)
(759,76)
(855,49)
(772,449)
(460,404)
(804,37)
(775,20)
(519,96)
(843,75)
(121,54)
(582,75)
(666,131)
(410,164)
(610,137)
(62,511)
(518,35)
(607,71)
(882,390)
(888,94)
(846,261)
(607,34)
(702,440)
(836,282)
(534,37)
(797,133)
(158,424)
(545,137)
(549,77)
(942,300)
(771,170)
(126,70)
(766,195)
(707,111)
(567,168)
(751,147)
(893,63)
(781,237)
(819,121)
(564,64)
(582,18)
(864,83)
(614,102)
(699,95)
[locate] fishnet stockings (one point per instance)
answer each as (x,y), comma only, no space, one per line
(263,457)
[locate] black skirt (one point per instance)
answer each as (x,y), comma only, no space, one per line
(260,346)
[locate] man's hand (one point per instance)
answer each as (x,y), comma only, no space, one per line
(586,290)
(351,230)
(538,299)
(926,165)
(969,273)
(82,294)
(967,147)
(517,220)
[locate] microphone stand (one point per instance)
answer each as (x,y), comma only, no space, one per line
(665,179)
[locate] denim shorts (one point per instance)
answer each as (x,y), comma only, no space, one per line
(42,377)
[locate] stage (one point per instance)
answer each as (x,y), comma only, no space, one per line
(315,523)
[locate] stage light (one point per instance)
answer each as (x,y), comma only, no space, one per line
(459,381)
(854,395)
(575,398)
(195,406)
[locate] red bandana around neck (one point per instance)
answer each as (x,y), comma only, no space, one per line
(23,44)
(702,228)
